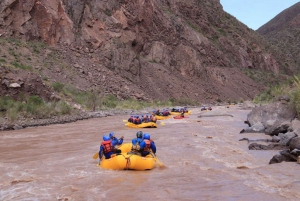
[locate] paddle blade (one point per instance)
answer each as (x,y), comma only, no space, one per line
(162,123)
(124,120)
(159,163)
(96,155)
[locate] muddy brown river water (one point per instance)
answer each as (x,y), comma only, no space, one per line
(203,158)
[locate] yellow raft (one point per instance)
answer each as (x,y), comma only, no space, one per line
(178,113)
(129,162)
(125,147)
(158,117)
(142,125)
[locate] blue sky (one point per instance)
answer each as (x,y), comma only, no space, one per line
(255,13)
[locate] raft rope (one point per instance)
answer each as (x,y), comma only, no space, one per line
(128,163)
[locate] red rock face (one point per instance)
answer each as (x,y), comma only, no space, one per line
(152,49)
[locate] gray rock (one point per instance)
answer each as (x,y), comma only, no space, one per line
(14,85)
(295,125)
(277,159)
(275,138)
(256,128)
(286,138)
(17,127)
(295,143)
(275,117)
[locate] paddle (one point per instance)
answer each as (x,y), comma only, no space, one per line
(124,120)
(159,163)
(157,160)
(96,155)
(162,123)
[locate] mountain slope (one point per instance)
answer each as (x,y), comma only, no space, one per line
(151,50)
(284,31)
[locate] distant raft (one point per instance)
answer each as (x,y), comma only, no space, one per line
(129,162)
(142,125)
(179,117)
(158,117)
(178,113)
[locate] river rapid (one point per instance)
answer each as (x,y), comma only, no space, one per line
(203,158)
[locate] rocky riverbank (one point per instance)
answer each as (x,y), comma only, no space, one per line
(80,115)
(279,121)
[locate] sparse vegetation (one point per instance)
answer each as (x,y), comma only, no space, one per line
(32,107)
(22,66)
(57,86)
(290,87)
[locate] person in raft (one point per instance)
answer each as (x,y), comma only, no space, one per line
(182,114)
(107,149)
(115,141)
(147,145)
(135,149)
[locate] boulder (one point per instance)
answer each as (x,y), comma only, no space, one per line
(295,126)
(295,143)
(256,128)
(277,159)
(286,138)
(275,117)
(256,146)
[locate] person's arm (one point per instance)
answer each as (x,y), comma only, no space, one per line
(142,146)
(153,147)
(100,154)
(120,141)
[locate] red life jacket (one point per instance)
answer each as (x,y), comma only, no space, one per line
(107,146)
(148,145)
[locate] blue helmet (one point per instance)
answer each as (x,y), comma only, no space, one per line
(111,135)
(106,138)
(146,136)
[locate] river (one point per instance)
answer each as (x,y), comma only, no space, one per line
(203,158)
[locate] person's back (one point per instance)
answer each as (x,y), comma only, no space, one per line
(135,149)
(106,148)
(138,120)
(157,112)
(147,119)
(147,145)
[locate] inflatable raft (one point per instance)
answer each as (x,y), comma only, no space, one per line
(125,147)
(179,117)
(142,125)
(129,162)
(178,113)
(158,117)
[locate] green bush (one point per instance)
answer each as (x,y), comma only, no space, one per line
(35,100)
(64,108)
(57,86)
(78,96)
(110,101)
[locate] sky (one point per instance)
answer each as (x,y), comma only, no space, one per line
(255,13)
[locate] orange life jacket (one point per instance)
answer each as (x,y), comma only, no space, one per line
(148,145)
(107,146)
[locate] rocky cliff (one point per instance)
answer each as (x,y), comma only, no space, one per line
(143,49)
(284,31)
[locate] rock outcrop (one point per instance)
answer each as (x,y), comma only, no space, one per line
(143,49)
